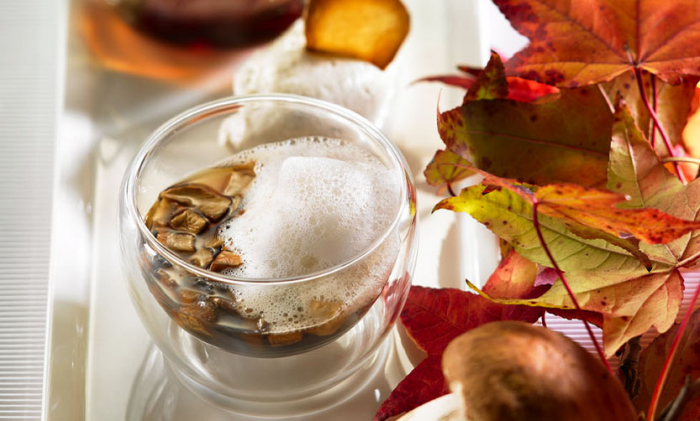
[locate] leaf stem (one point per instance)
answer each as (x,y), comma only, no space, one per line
(536,223)
(654,98)
(655,119)
(681,159)
(654,403)
(449,189)
(674,410)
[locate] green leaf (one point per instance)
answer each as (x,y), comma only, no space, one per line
(446,167)
(509,216)
(634,169)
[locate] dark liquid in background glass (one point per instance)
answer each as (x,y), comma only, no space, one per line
(216,23)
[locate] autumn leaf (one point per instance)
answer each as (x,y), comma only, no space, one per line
(691,132)
(605,280)
(458,81)
(673,104)
(597,209)
(686,162)
(628,243)
(423,384)
(686,363)
(603,277)
(446,167)
(519,89)
(650,300)
(629,308)
(515,276)
(509,215)
(434,317)
(534,143)
(526,90)
(574,43)
(492,83)
(636,171)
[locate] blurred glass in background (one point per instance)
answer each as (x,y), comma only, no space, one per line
(180,41)
(219,23)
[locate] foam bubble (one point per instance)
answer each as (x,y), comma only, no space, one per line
(315,203)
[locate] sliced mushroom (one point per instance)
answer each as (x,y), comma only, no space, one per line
(189,221)
(202,258)
(225,304)
(160,213)
(226,260)
(215,242)
(236,202)
(241,177)
(176,240)
(283,339)
(188,296)
(166,280)
(203,198)
(254,340)
(164,291)
(216,178)
(196,316)
(329,312)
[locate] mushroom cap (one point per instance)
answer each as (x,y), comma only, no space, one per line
(515,371)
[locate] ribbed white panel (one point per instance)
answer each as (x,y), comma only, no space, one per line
(29,47)
(576,331)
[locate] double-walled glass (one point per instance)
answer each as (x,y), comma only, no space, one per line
(210,344)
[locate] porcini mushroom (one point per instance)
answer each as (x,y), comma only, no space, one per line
(508,371)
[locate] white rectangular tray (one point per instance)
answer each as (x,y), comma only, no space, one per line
(97,343)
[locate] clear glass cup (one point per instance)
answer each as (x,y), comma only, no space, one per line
(237,362)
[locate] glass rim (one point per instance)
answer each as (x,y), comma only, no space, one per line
(216,107)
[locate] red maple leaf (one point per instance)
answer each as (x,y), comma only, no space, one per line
(423,384)
(575,43)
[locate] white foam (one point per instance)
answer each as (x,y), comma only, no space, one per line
(314,204)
